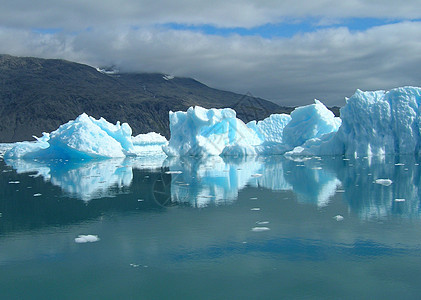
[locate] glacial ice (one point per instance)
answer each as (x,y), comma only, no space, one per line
(209,132)
(89,238)
(374,123)
(371,123)
(87,138)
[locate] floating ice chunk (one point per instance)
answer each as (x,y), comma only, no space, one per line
(260,229)
(87,239)
(262,222)
(385,182)
(338,218)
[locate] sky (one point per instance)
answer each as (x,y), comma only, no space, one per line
(290,52)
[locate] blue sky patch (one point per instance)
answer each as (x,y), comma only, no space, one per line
(286,29)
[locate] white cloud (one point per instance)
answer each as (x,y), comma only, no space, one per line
(326,64)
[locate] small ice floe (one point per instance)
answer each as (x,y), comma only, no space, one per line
(338,218)
(86,239)
(385,182)
(256,175)
(37,195)
(262,222)
(255,208)
(400,200)
(173,172)
(260,229)
(14,182)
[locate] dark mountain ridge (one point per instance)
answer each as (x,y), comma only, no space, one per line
(39,95)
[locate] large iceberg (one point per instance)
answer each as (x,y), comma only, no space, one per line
(207,132)
(376,123)
(373,123)
(307,123)
(86,138)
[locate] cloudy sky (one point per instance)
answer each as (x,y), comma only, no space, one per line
(289,51)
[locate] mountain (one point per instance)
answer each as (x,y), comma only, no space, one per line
(39,95)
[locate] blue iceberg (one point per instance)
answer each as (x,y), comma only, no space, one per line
(88,138)
(371,123)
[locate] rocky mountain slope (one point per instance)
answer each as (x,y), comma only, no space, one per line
(38,95)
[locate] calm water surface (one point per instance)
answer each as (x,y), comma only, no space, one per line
(266,228)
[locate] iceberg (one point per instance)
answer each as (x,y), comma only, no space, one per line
(378,123)
(88,138)
(217,132)
(372,123)
(307,124)
(209,132)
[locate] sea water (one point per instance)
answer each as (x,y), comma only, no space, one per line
(238,228)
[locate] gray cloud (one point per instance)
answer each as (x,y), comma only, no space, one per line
(328,64)
(80,14)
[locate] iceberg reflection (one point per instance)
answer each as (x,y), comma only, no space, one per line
(217,180)
(201,182)
(86,180)
(313,180)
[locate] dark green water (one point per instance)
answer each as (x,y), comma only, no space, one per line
(211,229)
